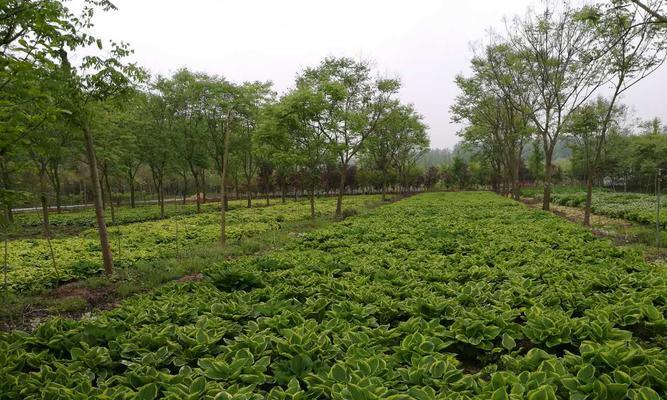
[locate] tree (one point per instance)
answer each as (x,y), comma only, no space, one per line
(588,128)
(399,136)
(156,142)
(290,136)
(495,124)
(634,50)
(555,65)
(97,79)
(352,104)
(253,97)
(183,94)
(410,142)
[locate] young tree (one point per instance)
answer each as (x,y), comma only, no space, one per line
(97,79)
(253,97)
(588,127)
(555,65)
(353,102)
(290,136)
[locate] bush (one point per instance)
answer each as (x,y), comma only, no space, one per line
(232,277)
(348,212)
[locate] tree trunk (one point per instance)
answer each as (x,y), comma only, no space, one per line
(160,196)
(198,189)
(589,198)
(45,218)
(132,204)
(312,202)
(341,188)
(6,185)
(516,188)
(249,193)
(283,192)
(56,189)
(546,197)
(97,196)
(108,187)
(203,186)
(185,190)
(384,185)
(223,189)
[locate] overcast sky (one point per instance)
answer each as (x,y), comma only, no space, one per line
(424,42)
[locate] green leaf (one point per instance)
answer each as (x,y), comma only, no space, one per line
(586,374)
(198,385)
(544,392)
(499,394)
(338,373)
(147,392)
(508,342)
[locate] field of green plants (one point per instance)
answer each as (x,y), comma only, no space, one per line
(638,207)
(124,215)
(438,296)
(31,266)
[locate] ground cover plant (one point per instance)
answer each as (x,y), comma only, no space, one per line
(638,207)
(124,215)
(411,301)
(30,266)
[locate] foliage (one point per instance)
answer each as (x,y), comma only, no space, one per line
(30,265)
(638,207)
(412,301)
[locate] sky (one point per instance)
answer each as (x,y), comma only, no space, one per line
(425,43)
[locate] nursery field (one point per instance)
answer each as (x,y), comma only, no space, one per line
(638,207)
(438,296)
(31,266)
(85,218)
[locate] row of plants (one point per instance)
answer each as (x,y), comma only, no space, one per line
(85,218)
(638,207)
(439,296)
(31,266)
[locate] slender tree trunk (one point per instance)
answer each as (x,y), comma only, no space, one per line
(384,185)
(57,189)
(516,188)
(312,202)
(203,186)
(249,193)
(223,189)
(132,202)
(160,195)
(185,190)
(589,198)
(198,188)
(283,192)
(9,214)
(341,188)
(266,194)
(103,194)
(45,217)
(546,198)
(108,187)
(97,196)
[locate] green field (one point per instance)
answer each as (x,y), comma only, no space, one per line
(637,207)
(438,296)
(31,266)
(85,218)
